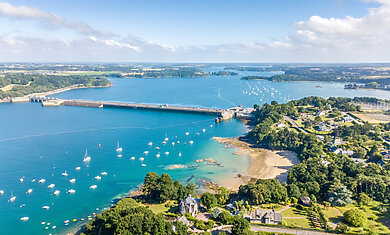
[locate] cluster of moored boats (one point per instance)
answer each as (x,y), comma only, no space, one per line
(86,160)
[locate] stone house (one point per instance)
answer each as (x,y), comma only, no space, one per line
(189,205)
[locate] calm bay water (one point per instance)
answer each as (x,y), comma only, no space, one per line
(41,143)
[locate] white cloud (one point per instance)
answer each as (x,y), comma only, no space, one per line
(50,20)
(317,39)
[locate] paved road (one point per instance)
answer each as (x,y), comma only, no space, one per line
(294,124)
(227,228)
(286,230)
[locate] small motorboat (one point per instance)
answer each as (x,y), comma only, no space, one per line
(157,148)
(164,142)
(12,199)
(51,186)
(71,191)
(93,186)
(78,168)
(41,181)
(57,192)
(132,158)
(21,180)
(1,192)
(166,153)
(204,130)
(150,143)
(72,181)
(191,142)
(146,152)
(158,155)
(118,148)
(141,159)
(64,173)
(103,173)
(187,133)
(29,191)
(143,165)
(173,143)
(98,178)
(179,154)
(86,157)
(24,218)
(119,155)
(46,207)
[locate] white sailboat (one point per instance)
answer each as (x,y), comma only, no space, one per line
(86,157)
(118,148)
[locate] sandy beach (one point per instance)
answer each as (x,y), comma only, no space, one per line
(264,163)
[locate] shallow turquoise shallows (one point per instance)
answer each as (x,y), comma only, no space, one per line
(42,143)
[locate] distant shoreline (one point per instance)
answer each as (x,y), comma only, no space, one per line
(52,92)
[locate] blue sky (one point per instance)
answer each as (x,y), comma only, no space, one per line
(195,30)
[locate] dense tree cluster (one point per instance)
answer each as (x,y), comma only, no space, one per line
(34,83)
(263,191)
(161,189)
(312,176)
(127,217)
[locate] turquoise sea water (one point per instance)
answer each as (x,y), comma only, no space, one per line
(41,143)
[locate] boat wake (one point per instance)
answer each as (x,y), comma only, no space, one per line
(221,98)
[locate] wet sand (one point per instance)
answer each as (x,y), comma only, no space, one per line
(264,163)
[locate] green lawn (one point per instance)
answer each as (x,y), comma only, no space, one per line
(293,212)
(301,223)
(161,208)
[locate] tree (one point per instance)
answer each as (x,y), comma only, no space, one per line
(181,229)
(216,212)
(360,153)
(373,150)
(355,217)
(240,226)
(363,199)
(226,217)
(208,200)
(341,197)
(222,195)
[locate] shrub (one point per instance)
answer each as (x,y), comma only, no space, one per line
(355,217)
